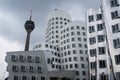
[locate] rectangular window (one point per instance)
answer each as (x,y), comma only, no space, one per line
(33,78)
(99,17)
(114,3)
(83,73)
(103,77)
(76,66)
(114,15)
(24,78)
(91,29)
(77,73)
(93,65)
(93,77)
(92,40)
(82,58)
(117,59)
(91,18)
(14,58)
(38,59)
(101,50)
(118,75)
(101,38)
(75,59)
(102,64)
(31,69)
(100,27)
(15,68)
(30,59)
(116,43)
(116,28)
(92,52)
(16,78)
(23,68)
(48,61)
(40,69)
(82,65)
(22,58)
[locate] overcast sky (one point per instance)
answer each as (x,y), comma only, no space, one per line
(14,13)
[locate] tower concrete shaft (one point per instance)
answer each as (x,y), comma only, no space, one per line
(27,40)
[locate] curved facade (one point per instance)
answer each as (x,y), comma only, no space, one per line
(71,40)
(55,55)
(57,19)
(104,41)
(74,48)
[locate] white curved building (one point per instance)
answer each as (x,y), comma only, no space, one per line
(57,19)
(103,32)
(74,48)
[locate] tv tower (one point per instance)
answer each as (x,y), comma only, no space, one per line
(29,27)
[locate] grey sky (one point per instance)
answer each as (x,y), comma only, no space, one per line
(14,13)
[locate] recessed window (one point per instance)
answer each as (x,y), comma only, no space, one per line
(101,50)
(82,65)
(118,75)
(91,29)
(102,64)
(79,39)
(60,18)
(93,65)
(103,77)
(23,68)
(114,3)
(93,52)
(30,59)
(116,28)
(16,77)
(114,15)
(93,77)
(82,58)
(56,18)
(37,59)
(84,73)
(48,61)
(78,33)
(15,68)
(56,22)
(14,58)
(75,59)
(22,58)
(100,27)
(71,66)
(40,69)
(81,52)
(72,28)
(101,38)
(117,59)
(34,78)
(77,73)
(80,45)
(90,18)
(99,17)
(116,43)
(76,66)
(74,51)
(72,33)
(70,59)
(69,52)
(92,40)
(31,68)
(78,27)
